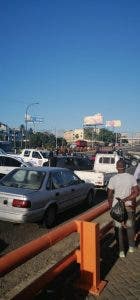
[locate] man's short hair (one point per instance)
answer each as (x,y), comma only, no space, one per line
(121,164)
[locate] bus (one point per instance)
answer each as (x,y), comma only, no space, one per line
(81,143)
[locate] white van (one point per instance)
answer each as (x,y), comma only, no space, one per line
(106,163)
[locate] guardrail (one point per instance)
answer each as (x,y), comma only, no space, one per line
(88,255)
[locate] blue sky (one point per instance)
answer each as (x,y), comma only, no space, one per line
(75,57)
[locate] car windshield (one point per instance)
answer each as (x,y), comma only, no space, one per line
(45,154)
(83,163)
(26,179)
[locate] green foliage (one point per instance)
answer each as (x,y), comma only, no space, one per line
(106,136)
(45,140)
(90,134)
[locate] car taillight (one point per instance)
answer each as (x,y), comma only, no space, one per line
(21,203)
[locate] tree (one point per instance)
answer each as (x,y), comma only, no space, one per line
(61,142)
(22,128)
(106,136)
(90,134)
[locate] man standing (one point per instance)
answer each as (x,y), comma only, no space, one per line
(137,173)
(124,186)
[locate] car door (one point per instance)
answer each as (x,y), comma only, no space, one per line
(57,191)
(75,189)
(36,158)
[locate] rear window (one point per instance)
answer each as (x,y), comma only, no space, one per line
(112,160)
(106,160)
(26,179)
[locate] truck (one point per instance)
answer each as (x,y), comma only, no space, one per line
(104,168)
(81,143)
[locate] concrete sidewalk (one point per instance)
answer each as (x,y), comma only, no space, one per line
(122,275)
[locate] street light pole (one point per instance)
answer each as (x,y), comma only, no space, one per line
(26,121)
(55,138)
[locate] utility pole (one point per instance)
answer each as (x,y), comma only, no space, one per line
(26,120)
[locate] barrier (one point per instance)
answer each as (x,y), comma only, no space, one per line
(88,255)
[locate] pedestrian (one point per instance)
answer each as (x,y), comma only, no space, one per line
(50,156)
(137,172)
(137,177)
(124,186)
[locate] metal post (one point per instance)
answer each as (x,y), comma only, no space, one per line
(89,258)
(56,138)
(116,138)
(26,121)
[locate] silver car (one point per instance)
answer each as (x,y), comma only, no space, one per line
(40,194)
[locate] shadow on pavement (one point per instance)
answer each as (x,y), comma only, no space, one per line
(64,286)
(3,245)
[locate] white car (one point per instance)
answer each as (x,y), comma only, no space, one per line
(36,157)
(9,162)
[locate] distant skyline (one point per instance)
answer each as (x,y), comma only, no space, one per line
(75,58)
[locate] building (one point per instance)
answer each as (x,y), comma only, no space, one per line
(133,138)
(73,135)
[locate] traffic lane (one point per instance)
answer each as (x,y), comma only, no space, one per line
(13,235)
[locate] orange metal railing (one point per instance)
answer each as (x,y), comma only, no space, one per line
(88,255)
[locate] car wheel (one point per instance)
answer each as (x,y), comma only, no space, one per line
(134,163)
(50,217)
(90,199)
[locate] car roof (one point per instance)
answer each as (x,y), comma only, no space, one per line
(48,169)
(107,154)
(71,156)
(34,149)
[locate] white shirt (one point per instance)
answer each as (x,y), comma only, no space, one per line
(122,184)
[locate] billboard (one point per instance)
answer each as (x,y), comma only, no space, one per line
(31,119)
(113,123)
(96,119)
